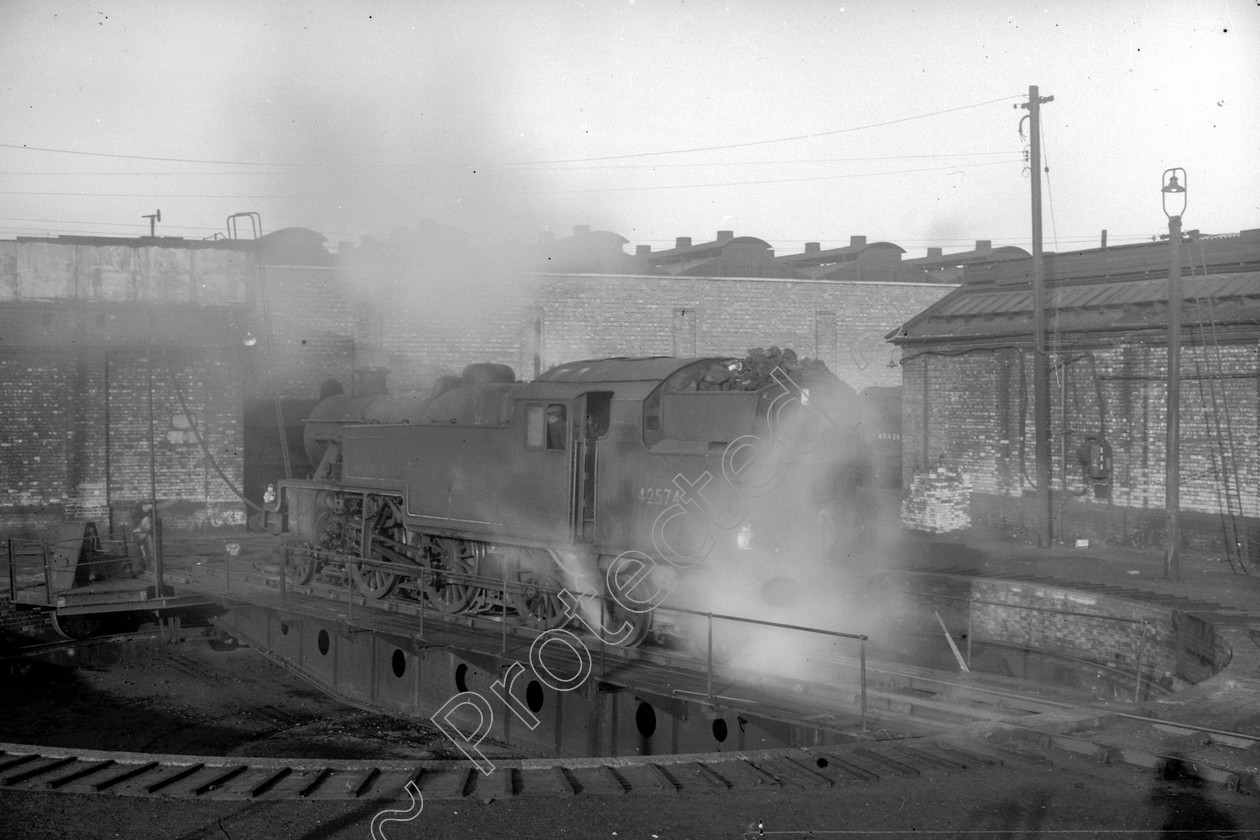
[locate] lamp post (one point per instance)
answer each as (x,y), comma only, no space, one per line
(1174,193)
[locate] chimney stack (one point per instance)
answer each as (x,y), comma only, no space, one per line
(984,246)
(935,253)
(857,240)
(682,242)
(642,250)
(813,247)
(725,235)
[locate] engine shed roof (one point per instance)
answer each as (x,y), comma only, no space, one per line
(1226,303)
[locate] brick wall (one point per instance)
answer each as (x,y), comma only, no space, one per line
(842,323)
(588,316)
(22,624)
(211,385)
(78,315)
(974,412)
(75,439)
(1176,648)
(304,320)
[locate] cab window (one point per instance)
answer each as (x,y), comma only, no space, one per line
(546,427)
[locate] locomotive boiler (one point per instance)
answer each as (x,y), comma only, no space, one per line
(604,490)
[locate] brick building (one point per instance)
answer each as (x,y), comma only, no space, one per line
(126,364)
(969,397)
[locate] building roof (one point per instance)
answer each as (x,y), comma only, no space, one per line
(1227,301)
(594,251)
(685,251)
(815,256)
(983,252)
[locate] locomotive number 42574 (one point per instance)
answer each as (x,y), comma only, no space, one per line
(659,495)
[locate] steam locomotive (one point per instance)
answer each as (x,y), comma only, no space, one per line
(616,487)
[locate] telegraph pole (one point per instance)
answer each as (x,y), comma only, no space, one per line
(1041,359)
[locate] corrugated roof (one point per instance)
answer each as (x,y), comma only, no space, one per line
(998,254)
(1230,299)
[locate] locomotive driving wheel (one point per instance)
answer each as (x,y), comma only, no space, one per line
(640,621)
(536,602)
(444,556)
(387,531)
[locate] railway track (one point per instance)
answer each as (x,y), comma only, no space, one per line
(30,768)
(189,777)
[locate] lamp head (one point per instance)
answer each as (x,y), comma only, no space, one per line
(1174,187)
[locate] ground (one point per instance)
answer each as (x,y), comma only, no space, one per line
(194,699)
(191,699)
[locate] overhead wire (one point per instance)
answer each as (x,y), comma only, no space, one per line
(605,162)
(559,166)
(761,182)
(692,150)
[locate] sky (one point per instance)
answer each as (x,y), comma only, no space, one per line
(789,120)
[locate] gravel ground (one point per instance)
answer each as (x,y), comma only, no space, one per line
(191,699)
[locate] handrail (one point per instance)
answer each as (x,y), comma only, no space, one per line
(38,555)
(421,574)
